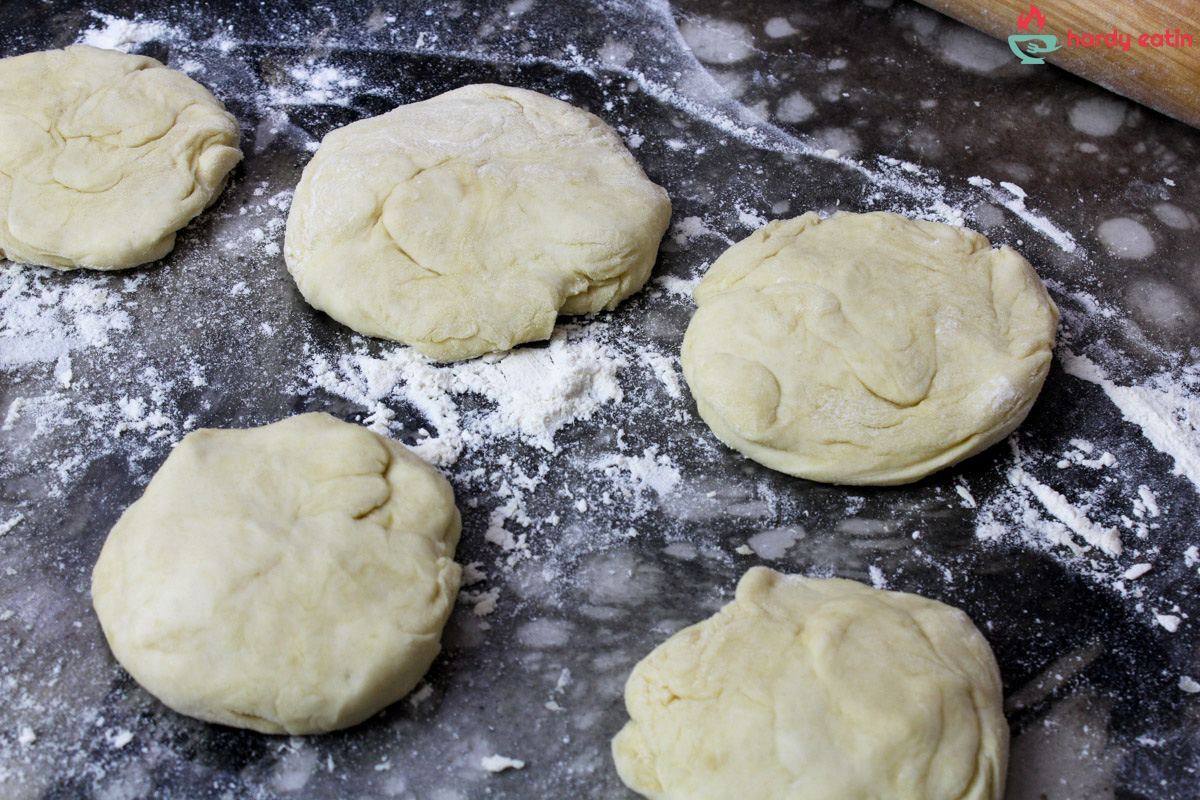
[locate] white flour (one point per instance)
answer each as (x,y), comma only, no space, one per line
(535,391)
(498,763)
(258,225)
(314,82)
(1013,197)
(1075,518)
(1032,510)
(1167,410)
(637,474)
(680,287)
(43,323)
(122,34)
(689,228)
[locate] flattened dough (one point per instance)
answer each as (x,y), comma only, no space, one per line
(466,223)
(292,578)
(811,689)
(104,156)
(867,348)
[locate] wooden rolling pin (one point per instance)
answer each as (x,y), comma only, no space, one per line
(1165,77)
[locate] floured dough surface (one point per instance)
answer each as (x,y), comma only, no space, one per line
(817,689)
(104,156)
(467,223)
(292,578)
(867,348)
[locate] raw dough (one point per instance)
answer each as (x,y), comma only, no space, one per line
(466,223)
(867,348)
(810,689)
(104,156)
(292,578)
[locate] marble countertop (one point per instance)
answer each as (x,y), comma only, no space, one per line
(744,112)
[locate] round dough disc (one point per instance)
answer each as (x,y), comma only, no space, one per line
(292,578)
(811,689)
(104,156)
(466,223)
(867,348)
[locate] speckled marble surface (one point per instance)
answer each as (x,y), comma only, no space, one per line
(734,108)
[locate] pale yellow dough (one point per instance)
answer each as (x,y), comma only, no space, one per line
(467,223)
(293,578)
(867,348)
(811,689)
(104,156)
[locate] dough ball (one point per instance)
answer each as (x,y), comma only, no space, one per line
(466,223)
(810,689)
(867,348)
(104,156)
(292,578)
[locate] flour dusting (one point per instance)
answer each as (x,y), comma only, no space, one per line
(535,391)
(1167,410)
(116,33)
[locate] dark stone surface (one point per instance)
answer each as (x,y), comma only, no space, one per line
(1092,682)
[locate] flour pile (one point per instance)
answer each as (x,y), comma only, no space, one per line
(531,392)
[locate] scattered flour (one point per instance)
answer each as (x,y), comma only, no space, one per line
(1013,197)
(877,578)
(116,33)
(966,495)
(536,391)
(1146,503)
(1075,518)
(117,738)
(57,333)
(679,287)
(316,83)
(42,322)
(648,471)
(499,763)
(665,370)
(1166,409)
(1136,571)
(1043,517)
(689,228)
(482,602)
(1167,413)
(750,219)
